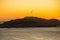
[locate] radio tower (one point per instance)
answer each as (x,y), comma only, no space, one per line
(31,12)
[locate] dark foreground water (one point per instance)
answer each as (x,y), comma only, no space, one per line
(29,33)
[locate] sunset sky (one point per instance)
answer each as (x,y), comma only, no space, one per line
(11,9)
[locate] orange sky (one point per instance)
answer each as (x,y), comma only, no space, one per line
(10,9)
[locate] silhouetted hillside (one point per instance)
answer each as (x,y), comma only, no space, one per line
(30,22)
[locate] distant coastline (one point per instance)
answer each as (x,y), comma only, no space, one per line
(28,22)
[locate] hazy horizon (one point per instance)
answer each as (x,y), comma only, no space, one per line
(3,20)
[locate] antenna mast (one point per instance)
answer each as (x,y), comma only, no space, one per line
(31,12)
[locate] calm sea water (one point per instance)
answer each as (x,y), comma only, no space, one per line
(30,33)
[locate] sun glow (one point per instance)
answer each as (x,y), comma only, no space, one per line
(21,8)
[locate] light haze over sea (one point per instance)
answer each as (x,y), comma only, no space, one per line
(50,33)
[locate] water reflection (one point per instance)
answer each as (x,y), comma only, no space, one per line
(29,34)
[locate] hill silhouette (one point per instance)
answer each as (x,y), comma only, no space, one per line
(30,22)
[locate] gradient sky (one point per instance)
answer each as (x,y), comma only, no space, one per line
(10,9)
